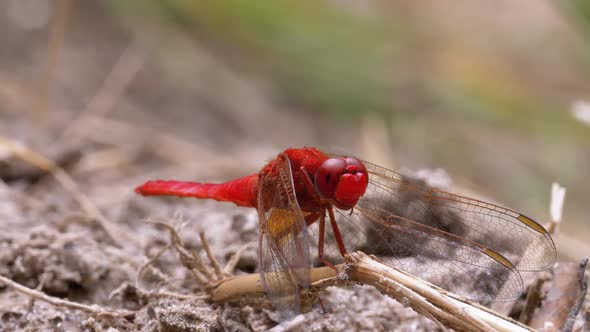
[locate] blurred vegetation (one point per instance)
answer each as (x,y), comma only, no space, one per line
(274,38)
(582,9)
(485,96)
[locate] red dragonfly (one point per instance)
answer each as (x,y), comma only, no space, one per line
(470,247)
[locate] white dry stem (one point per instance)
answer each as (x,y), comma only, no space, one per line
(581,111)
(557,199)
(556,207)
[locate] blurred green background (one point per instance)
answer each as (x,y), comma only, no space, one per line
(494,92)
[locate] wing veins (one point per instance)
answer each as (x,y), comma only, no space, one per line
(433,258)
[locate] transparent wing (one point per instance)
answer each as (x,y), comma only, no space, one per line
(517,237)
(456,265)
(469,247)
(284,242)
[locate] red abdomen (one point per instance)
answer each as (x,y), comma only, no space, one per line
(242,191)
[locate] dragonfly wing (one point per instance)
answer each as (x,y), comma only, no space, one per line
(517,237)
(469,247)
(284,241)
(463,268)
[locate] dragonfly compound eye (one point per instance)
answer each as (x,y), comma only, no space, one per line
(352,184)
(328,176)
(343,180)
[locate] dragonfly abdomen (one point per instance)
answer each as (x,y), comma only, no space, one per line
(242,191)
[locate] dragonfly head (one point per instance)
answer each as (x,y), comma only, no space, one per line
(342,180)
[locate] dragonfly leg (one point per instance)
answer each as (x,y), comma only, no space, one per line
(336,231)
(321,243)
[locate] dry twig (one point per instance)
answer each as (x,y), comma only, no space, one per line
(204,274)
(149,263)
(230,267)
(560,297)
(583,288)
(67,183)
(155,293)
(235,289)
(56,37)
(164,145)
(426,299)
(105,158)
(210,255)
(13,169)
(113,87)
(91,309)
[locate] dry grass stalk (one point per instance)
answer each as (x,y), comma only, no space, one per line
(206,275)
(67,183)
(186,256)
(210,255)
(16,169)
(56,38)
(105,159)
(167,146)
(155,293)
(139,272)
(426,299)
(113,87)
(431,301)
(91,309)
(582,290)
(235,289)
(230,267)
